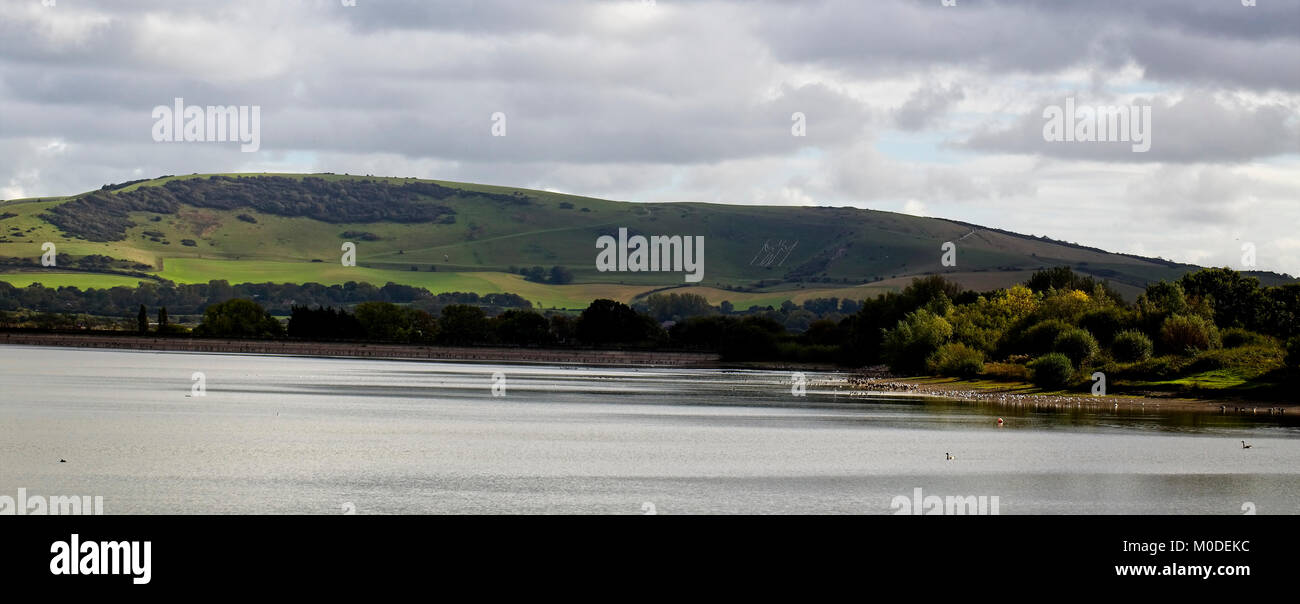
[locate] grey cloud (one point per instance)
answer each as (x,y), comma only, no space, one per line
(1175,40)
(1197,128)
(925,105)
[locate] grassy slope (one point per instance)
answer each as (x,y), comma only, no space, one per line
(475,253)
(81,280)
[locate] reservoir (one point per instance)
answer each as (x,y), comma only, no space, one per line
(295,435)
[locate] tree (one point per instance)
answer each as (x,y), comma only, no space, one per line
(162,319)
(1077,344)
(563,328)
(751,338)
(1162,299)
(535,273)
(1064,278)
(462,325)
(610,322)
(1104,323)
(918,335)
(1052,370)
(956,360)
(523,327)
(238,318)
(676,307)
(925,290)
(324,323)
(1042,336)
(1186,334)
(1130,346)
(1237,299)
(560,275)
(383,321)
(142,320)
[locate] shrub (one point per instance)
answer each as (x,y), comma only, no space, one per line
(1237,337)
(1245,361)
(1008,372)
(956,360)
(907,346)
(1040,338)
(1104,324)
(1184,334)
(238,318)
(1131,346)
(1077,344)
(1052,370)
(1293,352)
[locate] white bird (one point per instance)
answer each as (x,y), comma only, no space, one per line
(1244,445)
(949,456)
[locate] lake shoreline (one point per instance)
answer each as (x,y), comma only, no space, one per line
(1021,395)
(359,350)
(863,381)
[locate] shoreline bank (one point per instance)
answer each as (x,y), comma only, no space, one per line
(403,352)
(1019,395)
(863,382)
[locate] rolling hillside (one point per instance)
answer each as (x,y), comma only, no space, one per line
(449,236)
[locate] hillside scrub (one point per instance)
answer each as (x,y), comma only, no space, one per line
(104,215)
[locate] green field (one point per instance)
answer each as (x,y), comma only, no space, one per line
(191,270)
(81,280)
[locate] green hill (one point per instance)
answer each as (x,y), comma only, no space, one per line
(449,236)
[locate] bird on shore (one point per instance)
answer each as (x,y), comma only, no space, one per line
(1244,445)
(1000,422)
(949,456)
(63,461)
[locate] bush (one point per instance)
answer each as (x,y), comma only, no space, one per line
(1007,372)
(1104,324)
(956,360)
(1187,334)
(1131,346)
(1155,368)
(1293,353)
(238,318)
(1052,370)
(1040,338)
(1237,337)
(1245,361)
(1077,344)
(523,327)
(172,329)
(907,346)
(463,325)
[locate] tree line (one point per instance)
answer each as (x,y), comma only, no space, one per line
(193,299)
(1055,329)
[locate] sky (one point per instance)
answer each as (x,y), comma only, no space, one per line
(915,106)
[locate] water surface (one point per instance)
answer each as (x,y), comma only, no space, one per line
(309,435)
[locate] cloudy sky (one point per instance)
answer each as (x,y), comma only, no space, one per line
(909,105)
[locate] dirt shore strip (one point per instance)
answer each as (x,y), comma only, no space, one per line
(378,351)
(1015,395)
